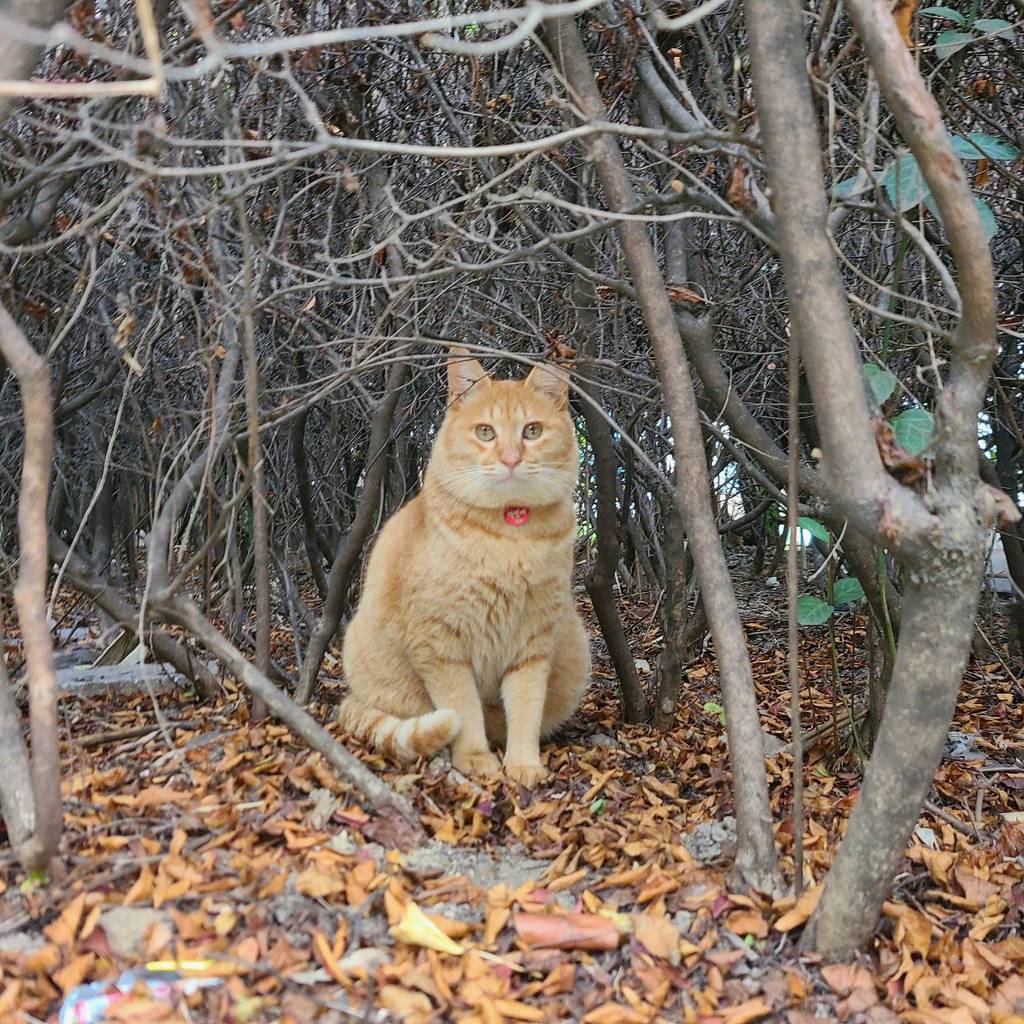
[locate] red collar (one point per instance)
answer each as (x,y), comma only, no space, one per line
(516,515)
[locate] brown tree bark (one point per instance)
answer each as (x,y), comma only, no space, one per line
(756,862)
(940,542)
(260,537)
(673,623)
(40,850)
(347,556)
(601,574)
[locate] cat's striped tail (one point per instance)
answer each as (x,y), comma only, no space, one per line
(404,739)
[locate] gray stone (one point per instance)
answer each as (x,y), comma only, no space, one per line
(683,921)
(126,927)
(86,681)
(566,900)
(325,803)
(21,943)
(343,843)
(513,869)
(712,841)
(467,913)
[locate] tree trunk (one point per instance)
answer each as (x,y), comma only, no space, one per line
(349,549)
(260,537)
(940,541)
(601,574)
(756,862)
(40,850)
(673,624)
(938,622)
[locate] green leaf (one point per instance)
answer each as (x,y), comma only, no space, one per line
(978,145)
(988,218)
(993,148)
(949,42)
(813,527)
(851,187)
(848,590)
(882,381)
(812,611)
(711,708)
(914,429)
(964,149)
(904,183)
(598,806)
(995,27)
(944,12)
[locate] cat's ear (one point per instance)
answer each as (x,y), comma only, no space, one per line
(552,382)
(463,373)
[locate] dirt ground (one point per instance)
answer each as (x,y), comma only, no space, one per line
(599,897)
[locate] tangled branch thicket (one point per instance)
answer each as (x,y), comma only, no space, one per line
(327,202)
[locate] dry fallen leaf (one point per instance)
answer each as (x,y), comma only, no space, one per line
(747,922)
(658,935)
(418,930)
(405,1004)
(567,931)
(752,1009)
(800,914)
(903,14)
(315,883)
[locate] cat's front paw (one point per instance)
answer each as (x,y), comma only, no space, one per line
(528,775)
(476,762)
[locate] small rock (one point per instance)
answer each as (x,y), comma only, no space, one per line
(126,927)
(683,921)
(343,843)
(565,900)
(961,746)
(513,868)
(367,959)
(602,739)
(21,943)
(325,803)
(464,912)
(712,841)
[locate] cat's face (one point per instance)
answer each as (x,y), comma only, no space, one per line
(506,443)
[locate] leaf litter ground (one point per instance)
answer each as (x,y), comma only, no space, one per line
(600,897)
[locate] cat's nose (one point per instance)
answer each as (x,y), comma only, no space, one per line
(511,459)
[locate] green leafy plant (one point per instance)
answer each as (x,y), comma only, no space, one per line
(952,41)
(913,428)
(814,528)
(906,187)
(812,610)
(881,381)
(711,708)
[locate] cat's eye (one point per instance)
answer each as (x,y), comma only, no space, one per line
(532,431)
(485,432)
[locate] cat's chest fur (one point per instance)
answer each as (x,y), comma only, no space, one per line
(500,595)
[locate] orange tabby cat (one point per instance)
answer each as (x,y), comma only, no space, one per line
(466,630)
